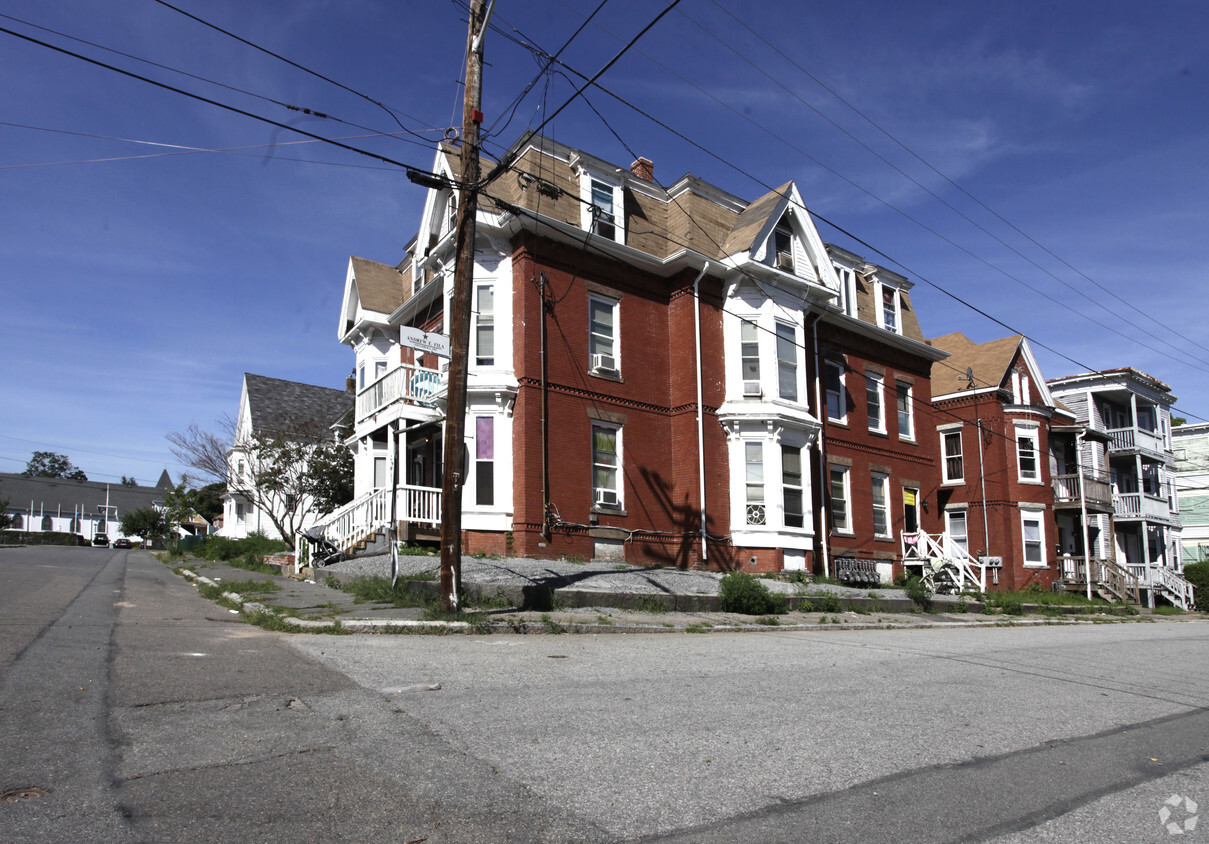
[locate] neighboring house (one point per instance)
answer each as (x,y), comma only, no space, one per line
(879,465)
(1010,471)
(270,408)
(1134,410)
(644,376)
(85,508)
(1190,445)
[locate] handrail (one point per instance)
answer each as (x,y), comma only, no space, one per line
(929,549)
(367,515)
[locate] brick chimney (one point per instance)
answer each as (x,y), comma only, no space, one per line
(644,169)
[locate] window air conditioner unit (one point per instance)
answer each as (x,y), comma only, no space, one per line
(751,389)
(603,363)
(606,498)
(785,261)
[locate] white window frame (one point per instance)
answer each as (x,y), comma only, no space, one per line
(847,298)
(484,466)
(899,386)
(954,539)
(754,487)
(875,387)
(1033,435)
(1036,517)
(884,290)
(787,367)
(841,397)
(844,475)
(381,469)
(601,345)
(483,321)
(598,465)
(589,183)
(791,486)
(881,481)
(782,236)
(749,356)
(946,476)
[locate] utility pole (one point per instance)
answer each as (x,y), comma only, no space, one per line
(459,319)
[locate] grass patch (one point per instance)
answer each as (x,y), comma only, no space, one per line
(821,602)
(651,604)
(697,628)
(1166,609)
(250,586)
(769,621)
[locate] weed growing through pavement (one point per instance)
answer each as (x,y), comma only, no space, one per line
(651,604)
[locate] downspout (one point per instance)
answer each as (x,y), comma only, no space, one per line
(700,406)
(541,287)
(824,522)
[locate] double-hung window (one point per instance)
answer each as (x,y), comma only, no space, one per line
(953,468)
(602,337)
(787,362)
(1032,528)
(484,325)
(1026,455)
(484,460)
(791,484)
(837,401)
(890,309)
(606,465)
(749,358)
(874,402)
(841,515)
(906,410)
(881,504)
(604,215)
(753,459)
(958,542)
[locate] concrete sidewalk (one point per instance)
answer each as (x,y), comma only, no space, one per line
(556,596)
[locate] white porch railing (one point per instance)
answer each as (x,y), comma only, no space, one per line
(406,382)
(941,554)
(1124,439)
(341,531)
(1096,490)
(1140,505)
(1176,588)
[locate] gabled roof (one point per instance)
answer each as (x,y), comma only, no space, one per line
(380,287)
(753,219)
(52,494)
(278,406)
(988,362)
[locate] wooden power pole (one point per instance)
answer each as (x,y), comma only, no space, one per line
(459,319)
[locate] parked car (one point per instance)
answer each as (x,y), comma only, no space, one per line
(122,542)
(100,540)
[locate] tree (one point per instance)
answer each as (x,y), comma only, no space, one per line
(129,481)
(47,464)
(6,521)
(288,474)
(179,504)
(147,522)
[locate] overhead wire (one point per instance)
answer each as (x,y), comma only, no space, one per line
(947,179)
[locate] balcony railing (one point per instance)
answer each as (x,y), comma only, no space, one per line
(1096,490)
(1131,439)
(408,383)
(1107,574)
(1142,505)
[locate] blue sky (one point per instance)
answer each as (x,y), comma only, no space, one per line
(140,282)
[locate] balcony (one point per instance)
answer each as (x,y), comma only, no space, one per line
(1097,493)
(1141,505)
(1134,440)
(406,383)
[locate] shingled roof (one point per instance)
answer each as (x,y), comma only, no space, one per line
(381,287)
(52,495)
(278,406)
(988,362)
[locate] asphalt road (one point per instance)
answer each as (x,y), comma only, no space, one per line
(149,714)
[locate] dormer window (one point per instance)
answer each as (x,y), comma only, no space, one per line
(847,297)
(782,239)
(602,205)
(890,314)
(604,219)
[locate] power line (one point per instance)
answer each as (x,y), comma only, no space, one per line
(946,178)
(266,51)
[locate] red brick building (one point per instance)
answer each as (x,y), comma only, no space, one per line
(1002,437)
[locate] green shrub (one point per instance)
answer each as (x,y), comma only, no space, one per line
(1198,575)
(1012,605)
(918,592)
(822,602)
(740,592)
(224,548)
